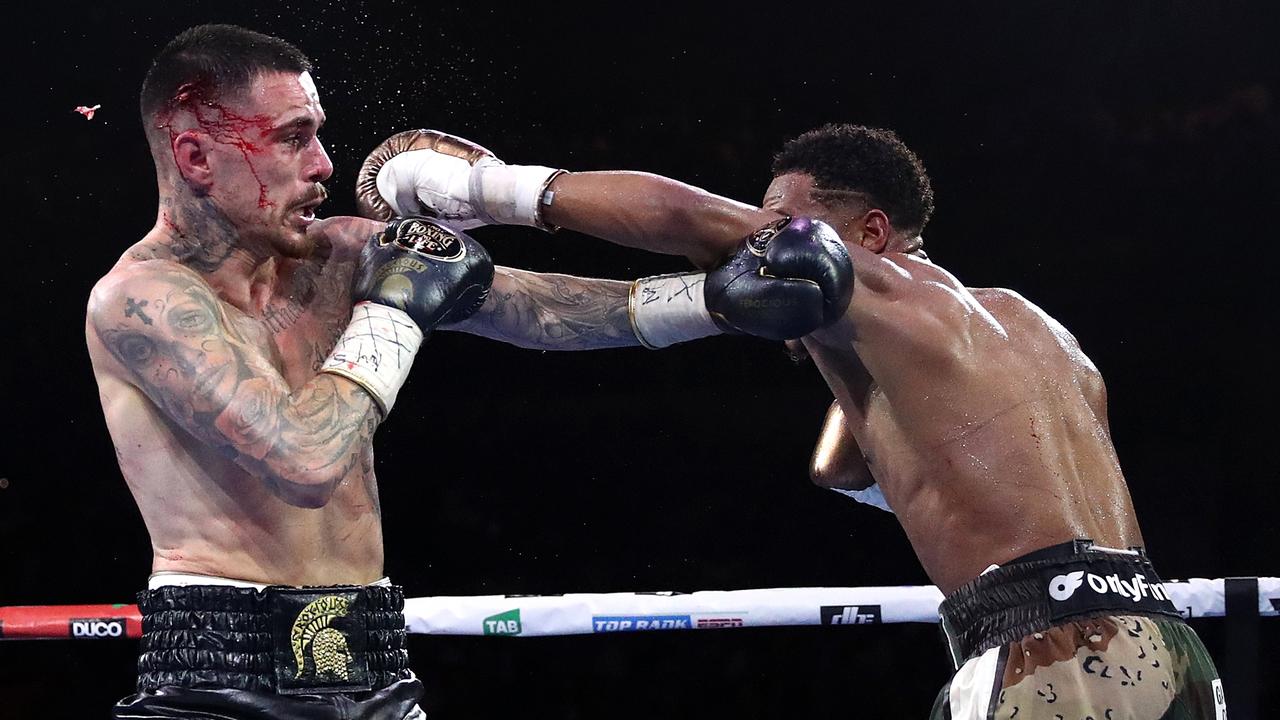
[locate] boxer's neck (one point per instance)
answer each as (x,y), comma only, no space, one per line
(244,273)
(247,281)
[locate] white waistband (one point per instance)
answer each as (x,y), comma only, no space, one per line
(166,578)
(1113,551)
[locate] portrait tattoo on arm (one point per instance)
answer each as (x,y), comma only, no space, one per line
(554,312)
(176,340)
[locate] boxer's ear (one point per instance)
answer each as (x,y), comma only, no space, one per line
(191,153)
(871,230)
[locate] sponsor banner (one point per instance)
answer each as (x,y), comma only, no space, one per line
(96,627)
(717,621)
(635,623)
(506,623)
(1105,585)
(850,614)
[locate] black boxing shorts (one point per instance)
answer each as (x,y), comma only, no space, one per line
(1074,631)
(276,652)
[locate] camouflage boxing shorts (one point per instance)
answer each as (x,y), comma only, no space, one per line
(1074,632)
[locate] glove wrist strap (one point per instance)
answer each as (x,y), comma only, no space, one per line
(668,309)
(376,351)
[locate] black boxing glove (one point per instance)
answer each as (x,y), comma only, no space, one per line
(435,274)
(413,276)
(786,280)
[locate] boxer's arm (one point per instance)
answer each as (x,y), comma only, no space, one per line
(171,336)
(654,213)
(546,311)
(446,176)
(838,462)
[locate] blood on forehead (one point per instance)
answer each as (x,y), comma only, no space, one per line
(223,124)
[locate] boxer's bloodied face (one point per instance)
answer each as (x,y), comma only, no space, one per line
(266,162)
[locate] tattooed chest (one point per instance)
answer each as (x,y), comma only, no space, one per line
(302,328)
(299,351)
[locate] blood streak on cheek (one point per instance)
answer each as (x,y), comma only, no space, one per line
(222,123)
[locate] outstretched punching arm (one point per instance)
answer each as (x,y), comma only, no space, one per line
(545,311)
(784,281)
(654,213)
(445,176)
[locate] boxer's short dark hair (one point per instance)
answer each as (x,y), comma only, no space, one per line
(215,62)
(869,161)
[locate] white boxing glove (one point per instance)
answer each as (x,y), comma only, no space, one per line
(427,172)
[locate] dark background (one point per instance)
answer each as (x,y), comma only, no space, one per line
(1116,163)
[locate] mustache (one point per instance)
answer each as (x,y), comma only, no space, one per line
(316,197)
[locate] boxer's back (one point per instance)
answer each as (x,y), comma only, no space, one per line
(206,513)
(985,426)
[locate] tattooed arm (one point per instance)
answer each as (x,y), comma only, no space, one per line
(173,340)
(545,311)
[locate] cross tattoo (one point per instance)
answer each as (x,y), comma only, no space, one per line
(133,307)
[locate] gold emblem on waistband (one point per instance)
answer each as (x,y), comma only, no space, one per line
(328,645)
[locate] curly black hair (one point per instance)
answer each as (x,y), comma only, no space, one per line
(872,162)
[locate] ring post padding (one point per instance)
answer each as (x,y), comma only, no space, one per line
(1240,658)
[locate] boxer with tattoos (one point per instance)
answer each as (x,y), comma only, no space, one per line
(246,352)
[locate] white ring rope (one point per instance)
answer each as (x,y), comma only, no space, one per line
(585,613)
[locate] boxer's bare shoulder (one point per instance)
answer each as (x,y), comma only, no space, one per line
(346,234)
(1016,313)
(132,292)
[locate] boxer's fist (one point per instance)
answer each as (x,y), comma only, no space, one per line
(427,172)
(436,182)
(433,273)
(786,281)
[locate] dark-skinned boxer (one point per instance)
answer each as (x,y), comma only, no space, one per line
(968,412)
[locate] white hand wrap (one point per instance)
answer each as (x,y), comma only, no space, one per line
(868,496)
(376,351)
(511,194)
(667,309)
(487,193)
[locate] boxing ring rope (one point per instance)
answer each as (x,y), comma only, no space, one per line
(588,613)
